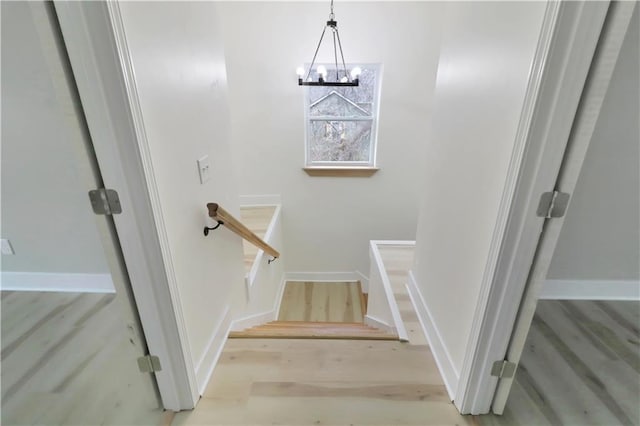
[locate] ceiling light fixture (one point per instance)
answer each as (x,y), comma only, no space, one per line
(347,79)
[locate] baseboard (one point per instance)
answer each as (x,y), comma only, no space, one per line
(204,367)
(447,369)
(407,243)
(379,324)
(324,276)
(388,290)
(260,200)
(591,290)
(57,282)
(278,301)
(252,320)
(364,280)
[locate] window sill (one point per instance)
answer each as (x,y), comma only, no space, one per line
(340,171)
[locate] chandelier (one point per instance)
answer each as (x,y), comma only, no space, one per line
(342,77)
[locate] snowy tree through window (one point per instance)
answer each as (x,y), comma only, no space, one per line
(341,121)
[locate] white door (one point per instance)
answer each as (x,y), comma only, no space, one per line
(615,28)
(71,336)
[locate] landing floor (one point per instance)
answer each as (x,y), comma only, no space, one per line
(328,382)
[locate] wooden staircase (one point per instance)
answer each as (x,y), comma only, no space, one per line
(313,330)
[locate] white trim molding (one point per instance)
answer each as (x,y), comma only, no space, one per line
(59,282)
(569,35)
(240,324)
(97,48)
(328,277)
(379,324)
(253,320)
(364,281)
(591,290)
(398,324)
(207,363)
(447,368)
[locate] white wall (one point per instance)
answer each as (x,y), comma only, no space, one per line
(486,54)
(179,66)
(45,209)
(328,222)
(600,238)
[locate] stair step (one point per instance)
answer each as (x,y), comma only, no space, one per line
(313,330)
(314,324)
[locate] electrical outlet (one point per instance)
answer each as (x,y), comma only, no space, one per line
(204,169)
(6,247)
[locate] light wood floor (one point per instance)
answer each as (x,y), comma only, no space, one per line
(328,382)
(322,302)
(257,219)
(67,359)
(581,366)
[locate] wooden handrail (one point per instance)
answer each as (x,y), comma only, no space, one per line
(221,215)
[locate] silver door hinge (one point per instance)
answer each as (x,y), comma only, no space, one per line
(149,364)
(105,201)
(503,369)
(553,204)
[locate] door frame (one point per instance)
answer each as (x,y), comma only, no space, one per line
(564,67)
(596,87)
(91,39)
(576,35)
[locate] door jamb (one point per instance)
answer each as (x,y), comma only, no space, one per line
(560,79)
(95,52)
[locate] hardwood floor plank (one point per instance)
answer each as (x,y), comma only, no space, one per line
(391,392)
(11,345)
(588,378)
(618,338)
(30,308)
(630,324)
(321,302)
(75,367)
(535,393)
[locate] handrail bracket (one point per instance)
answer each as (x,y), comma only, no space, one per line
(207,229)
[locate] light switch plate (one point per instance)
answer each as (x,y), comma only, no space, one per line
(204,169)
(6,247)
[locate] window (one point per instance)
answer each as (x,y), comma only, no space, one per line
(341,122)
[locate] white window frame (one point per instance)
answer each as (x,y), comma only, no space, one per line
(375,108)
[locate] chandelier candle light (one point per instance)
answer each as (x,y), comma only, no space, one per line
(347,79)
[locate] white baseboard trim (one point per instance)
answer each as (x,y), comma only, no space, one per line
(323,276)
(591,290)
(260,200)
(379,324)
(253,320)
(57,282)
(407,243)
(447,369)
(364,280)
(208,361)
(276,303)
(388,290)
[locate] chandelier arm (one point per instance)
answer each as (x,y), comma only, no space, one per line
(344,66)
(335,55)
(313,61)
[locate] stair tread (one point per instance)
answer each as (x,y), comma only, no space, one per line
(311,324)
(311,330)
